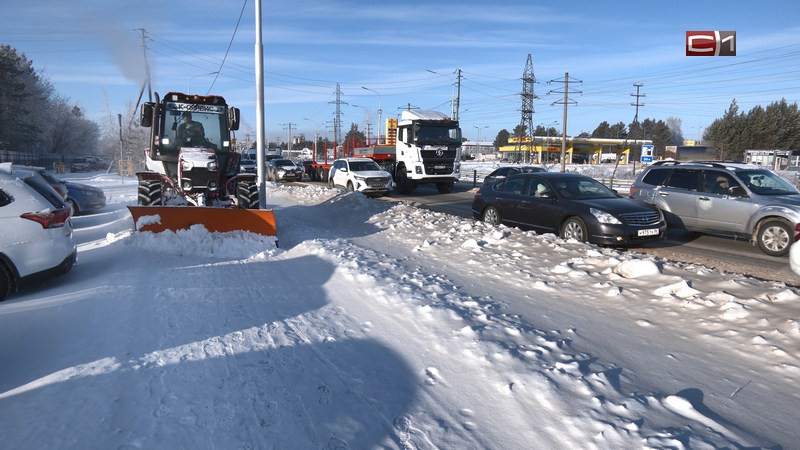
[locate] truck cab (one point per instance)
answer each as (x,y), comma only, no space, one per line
(427,150)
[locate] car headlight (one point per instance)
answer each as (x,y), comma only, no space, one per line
(212,166)
(604,217)
(359,177)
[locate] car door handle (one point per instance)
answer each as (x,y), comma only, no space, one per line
(704,198)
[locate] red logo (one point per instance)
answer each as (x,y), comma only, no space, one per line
(710,43)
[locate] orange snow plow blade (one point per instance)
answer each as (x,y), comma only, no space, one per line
(161,218)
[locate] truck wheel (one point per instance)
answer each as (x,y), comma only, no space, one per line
(574,228)
(149,193)
(774,238)
(445,187)
(404,185)
(247,195)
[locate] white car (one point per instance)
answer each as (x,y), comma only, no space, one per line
(37,239)
(361,175)
(283,169)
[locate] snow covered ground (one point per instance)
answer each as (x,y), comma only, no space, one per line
(383,325)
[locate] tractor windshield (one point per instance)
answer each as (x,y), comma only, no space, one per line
(187,125)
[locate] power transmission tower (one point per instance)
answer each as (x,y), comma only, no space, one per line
(337,116)
(636,121)
(566,101)
(526,120)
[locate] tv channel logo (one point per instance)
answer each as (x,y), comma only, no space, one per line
(710,43)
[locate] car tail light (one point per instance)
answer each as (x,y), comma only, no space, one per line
(633,190)
(49,219)
(797,235)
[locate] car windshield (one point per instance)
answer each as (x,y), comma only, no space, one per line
(583,189)
(363,166)
(282,162)
(764,182)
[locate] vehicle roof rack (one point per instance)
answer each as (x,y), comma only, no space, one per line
(712,163)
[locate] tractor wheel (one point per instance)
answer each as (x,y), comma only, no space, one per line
(247,195)
(149,193)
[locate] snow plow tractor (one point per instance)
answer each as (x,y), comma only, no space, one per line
(192,172)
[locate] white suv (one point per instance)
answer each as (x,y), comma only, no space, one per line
(37,238)
(362,175)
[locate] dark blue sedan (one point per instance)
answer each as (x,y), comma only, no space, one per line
(571,206)
(83,198)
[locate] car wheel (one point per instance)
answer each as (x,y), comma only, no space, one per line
(574,228)
(491,215)
(73,207)
(330,183)
(774,238)
(5,282)
(350,187)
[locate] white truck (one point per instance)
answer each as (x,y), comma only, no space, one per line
(427,149)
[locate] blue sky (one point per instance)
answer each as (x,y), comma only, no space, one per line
(408,53)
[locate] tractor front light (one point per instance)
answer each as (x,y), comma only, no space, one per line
(212,166)
(186,165)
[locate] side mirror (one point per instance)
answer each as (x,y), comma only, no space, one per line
(737,191)
(233,118)
(146,114)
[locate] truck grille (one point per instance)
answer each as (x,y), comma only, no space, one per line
(641,218)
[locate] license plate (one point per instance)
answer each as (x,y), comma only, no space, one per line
(648,232)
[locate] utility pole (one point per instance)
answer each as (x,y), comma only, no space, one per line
(457,103)
(289,127)
(565,102)
(636,122)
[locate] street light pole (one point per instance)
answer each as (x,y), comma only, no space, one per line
(366,120)
(380,110)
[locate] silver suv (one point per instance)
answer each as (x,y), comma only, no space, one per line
(725,198)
